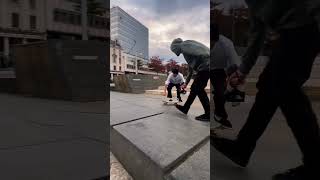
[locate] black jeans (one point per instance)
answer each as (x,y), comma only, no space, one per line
(218,80)
(198,89)
(280,85)
(169,88)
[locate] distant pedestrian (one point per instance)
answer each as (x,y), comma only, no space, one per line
(197,56)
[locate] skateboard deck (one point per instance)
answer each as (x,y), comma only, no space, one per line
(172,103)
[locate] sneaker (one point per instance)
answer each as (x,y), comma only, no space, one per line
(203,117)
(223,121)
(181,108)
(170,100)
(298,173)
(230,149)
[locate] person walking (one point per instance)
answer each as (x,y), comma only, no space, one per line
(280,84)
(197,56)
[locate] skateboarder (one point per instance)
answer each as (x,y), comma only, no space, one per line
(223,61)
(279,85)
(175,79)
(197,56)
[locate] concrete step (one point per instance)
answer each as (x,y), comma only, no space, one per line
(154,147)
(153,141)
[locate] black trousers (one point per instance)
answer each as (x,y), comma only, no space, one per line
(218,80)
(169,89)
(198,89)
(280,85)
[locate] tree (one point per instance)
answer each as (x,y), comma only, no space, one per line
(156,64)
(94,7)
(171,64)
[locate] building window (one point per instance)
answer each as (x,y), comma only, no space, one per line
(114,68)
(119,68)
(33,22)
(119,60)
(15,20)
(67,17)
(114,59)
(32,4)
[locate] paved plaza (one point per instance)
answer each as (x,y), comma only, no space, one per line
(162,135)
(50,139)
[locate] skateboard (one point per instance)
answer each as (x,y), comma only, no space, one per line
(172,103)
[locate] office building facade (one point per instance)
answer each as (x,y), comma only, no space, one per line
(132,35)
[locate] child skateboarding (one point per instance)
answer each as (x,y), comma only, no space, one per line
(175,79)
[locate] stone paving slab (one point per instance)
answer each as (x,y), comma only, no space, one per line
(72,160)
(195,167)
(162,140)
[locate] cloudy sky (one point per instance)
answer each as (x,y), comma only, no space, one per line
(170,19)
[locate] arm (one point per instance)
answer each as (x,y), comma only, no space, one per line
(313,8)
(232,59)
(168,79)
(256,40)
(189,76)
(183,80)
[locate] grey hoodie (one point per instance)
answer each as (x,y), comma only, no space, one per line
(196,54)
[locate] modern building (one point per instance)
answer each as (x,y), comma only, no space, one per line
(132,35)
(63,21)
(23,21)
(124,63)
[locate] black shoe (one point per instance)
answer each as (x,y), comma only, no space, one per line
(181,108)
(230,149)
(298,173)
(203,117)
(179,99)
(170,100)
(223,122)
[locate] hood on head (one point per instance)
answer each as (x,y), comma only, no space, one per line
(175,46)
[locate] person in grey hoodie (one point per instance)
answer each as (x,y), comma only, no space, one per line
(223,61)
(280,84)
(197,56)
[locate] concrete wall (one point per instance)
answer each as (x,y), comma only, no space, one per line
(138,83)
(70,70)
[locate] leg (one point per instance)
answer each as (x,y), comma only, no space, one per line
(197,89)
(218,81)
(178,90)
(303,122)
(203,79)
(169,88)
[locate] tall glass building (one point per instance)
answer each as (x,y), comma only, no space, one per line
(132,36)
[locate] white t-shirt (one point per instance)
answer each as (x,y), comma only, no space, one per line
(179,79)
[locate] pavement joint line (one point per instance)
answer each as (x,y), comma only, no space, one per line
(181,159)
(96,140)
(44,124)
(84,112)
(42,143)
(137,119)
